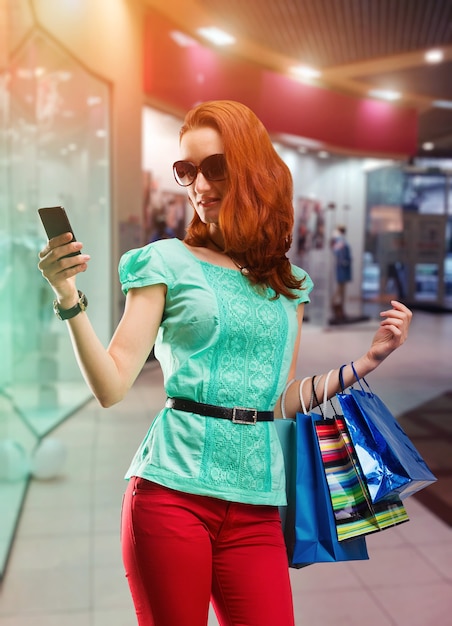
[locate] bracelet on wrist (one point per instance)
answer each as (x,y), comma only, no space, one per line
(67,314)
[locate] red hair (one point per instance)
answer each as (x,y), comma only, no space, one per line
(256,217)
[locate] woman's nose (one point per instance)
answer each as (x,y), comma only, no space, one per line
(201,182)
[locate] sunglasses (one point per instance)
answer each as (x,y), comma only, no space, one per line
(212,168)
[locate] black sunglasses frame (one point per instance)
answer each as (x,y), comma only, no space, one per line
(200,168)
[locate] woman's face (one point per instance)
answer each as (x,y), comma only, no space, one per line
(205,195)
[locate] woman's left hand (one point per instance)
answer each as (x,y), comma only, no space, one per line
(393,331)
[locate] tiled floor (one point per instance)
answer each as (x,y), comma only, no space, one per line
(65,567)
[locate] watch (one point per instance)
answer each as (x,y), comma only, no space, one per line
(67,314)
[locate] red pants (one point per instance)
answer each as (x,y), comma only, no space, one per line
(180,551)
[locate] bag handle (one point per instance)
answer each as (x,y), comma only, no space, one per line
(341,378)
(325,392)
(283,398)
(325,389)
(361,379)
(300,393)
(358,379)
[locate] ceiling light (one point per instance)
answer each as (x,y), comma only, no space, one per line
(305,71)
(384,94)
(323,154)
(64,76)
(216,36)
(369,165)
(428,145)
(91,101)
(434,56)
(443,104)
(182,40)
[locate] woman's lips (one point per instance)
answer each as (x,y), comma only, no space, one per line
(206,202)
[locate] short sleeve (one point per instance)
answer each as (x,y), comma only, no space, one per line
(306,286)
(142,267)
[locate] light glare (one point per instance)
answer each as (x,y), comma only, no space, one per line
(182,40)
(384,94)
(434,56)
(216,36)
(305,71)
(443,104)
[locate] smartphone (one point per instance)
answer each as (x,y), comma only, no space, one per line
(56,222)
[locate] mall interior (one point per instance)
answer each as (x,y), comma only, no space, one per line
(92,97)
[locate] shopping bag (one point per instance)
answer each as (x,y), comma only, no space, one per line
(354,512)
(308,521)
(316,539)
(390,462)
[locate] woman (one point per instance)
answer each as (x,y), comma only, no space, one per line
(224,308)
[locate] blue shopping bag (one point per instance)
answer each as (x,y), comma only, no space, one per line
(390,462)
(310,527)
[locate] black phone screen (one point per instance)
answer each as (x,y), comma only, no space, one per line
(56,222)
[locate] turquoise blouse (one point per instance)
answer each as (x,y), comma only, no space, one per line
(222,341)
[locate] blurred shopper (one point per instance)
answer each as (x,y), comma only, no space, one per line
(224,307)
(343,271)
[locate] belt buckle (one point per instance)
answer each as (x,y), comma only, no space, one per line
(250,421)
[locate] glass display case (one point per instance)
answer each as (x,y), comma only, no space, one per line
(54,150)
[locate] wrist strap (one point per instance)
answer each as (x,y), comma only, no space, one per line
(67,314)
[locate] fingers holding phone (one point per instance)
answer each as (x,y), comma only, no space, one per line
(63,246)
(61,259)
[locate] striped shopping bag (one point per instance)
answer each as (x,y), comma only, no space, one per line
(354,512)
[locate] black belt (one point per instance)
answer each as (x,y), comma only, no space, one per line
(238,414)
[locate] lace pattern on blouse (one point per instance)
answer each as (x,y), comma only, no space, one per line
(253,332)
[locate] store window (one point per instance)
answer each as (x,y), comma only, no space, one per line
(408,253)
(54,150)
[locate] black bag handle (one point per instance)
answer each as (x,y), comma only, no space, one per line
(322,406)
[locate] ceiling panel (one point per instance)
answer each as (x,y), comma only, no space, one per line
(427,80)
(337,32)
(436,125)
(357,44)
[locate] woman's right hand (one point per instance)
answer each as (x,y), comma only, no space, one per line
(61,272)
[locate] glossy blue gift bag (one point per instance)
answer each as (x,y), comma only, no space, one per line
(391,464)
(309,523)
